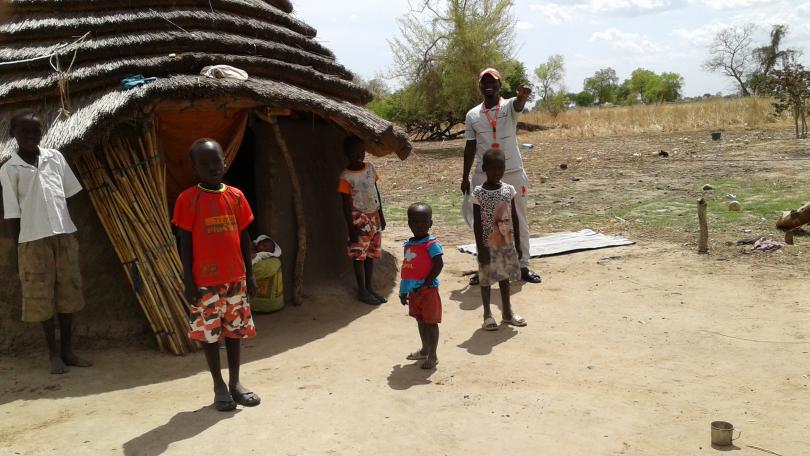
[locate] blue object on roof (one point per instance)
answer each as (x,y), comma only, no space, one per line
(131,81)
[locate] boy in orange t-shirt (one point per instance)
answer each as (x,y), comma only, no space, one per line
(217,271)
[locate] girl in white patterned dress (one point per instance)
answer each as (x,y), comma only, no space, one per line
(497,238)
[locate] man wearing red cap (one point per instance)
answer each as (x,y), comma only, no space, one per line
(493,125)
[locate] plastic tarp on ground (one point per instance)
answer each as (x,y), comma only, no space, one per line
(559,243)
(177,131)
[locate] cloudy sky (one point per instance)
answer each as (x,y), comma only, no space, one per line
(660,35)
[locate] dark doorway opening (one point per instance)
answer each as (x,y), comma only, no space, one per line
(241,173)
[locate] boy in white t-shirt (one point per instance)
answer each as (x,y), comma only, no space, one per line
(36,185)
(493,125)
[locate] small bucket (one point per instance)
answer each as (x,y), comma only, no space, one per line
(723,433)
(716,136)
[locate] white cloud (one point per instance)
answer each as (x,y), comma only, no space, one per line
(700,36)
(630,7)
(733,4)
(553,13)
(524,25)
(633,42)
(556,13)
(781,12)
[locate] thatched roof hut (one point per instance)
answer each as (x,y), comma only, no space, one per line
(66,59)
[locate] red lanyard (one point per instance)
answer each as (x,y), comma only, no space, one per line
(493,122)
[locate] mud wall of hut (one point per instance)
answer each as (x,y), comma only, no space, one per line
(111,314)
(317,148)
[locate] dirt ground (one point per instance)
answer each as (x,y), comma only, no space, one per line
(632,350)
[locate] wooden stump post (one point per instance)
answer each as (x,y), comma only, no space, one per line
(789,236)
(300,218)
(703,241)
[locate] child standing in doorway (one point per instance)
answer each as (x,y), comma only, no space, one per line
(497,238)
(212,218)
(362,209)
(419,286)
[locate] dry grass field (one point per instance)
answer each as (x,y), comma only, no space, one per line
(711,114)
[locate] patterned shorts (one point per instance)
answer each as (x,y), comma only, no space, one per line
(369,243)
(222,311)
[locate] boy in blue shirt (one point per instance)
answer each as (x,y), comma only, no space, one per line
(419,287)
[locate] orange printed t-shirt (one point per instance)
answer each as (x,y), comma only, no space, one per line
(215,220)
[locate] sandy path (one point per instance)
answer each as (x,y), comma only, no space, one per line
(629,355)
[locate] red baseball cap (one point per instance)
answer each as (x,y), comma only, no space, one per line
(490,71)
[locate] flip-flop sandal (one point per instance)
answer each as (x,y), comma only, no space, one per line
(248,399)
(516,320)
(490,324)
(416,356)
(379,298)
(370,300)
(474,280)
(531,277)
(224,402)
(428,367)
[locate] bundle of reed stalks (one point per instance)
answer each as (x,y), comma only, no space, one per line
(126,180)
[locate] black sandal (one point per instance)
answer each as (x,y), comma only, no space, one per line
(531,277)
(224,402)
(248,399)
(474,280)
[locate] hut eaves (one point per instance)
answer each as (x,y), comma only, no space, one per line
(172,40)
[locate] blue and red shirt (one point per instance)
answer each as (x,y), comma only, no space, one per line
(417,263)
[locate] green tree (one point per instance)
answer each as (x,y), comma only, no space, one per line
(641,81)
(514,74)
(550,87)
(664,87)
(603,85)
(584,98)
(556,104)
(790,84)
(623,95)
(648,87)
(550,77)
(766,58)
(441,47)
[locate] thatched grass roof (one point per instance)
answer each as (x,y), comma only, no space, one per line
(172,40)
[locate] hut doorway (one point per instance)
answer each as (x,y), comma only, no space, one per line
(241,173)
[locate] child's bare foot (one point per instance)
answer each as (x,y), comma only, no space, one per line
(368,298)
(244,396)
(57,365)
(430,363)
(376,295)
(417,355)
(71,359)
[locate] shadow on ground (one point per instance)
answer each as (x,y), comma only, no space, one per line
(327,308)
(482,341)
(183,426)
(469,297)
(404,376)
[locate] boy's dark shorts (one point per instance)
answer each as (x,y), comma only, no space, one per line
(50,277)
(426,306)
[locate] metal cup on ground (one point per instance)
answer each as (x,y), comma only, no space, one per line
(723,433)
